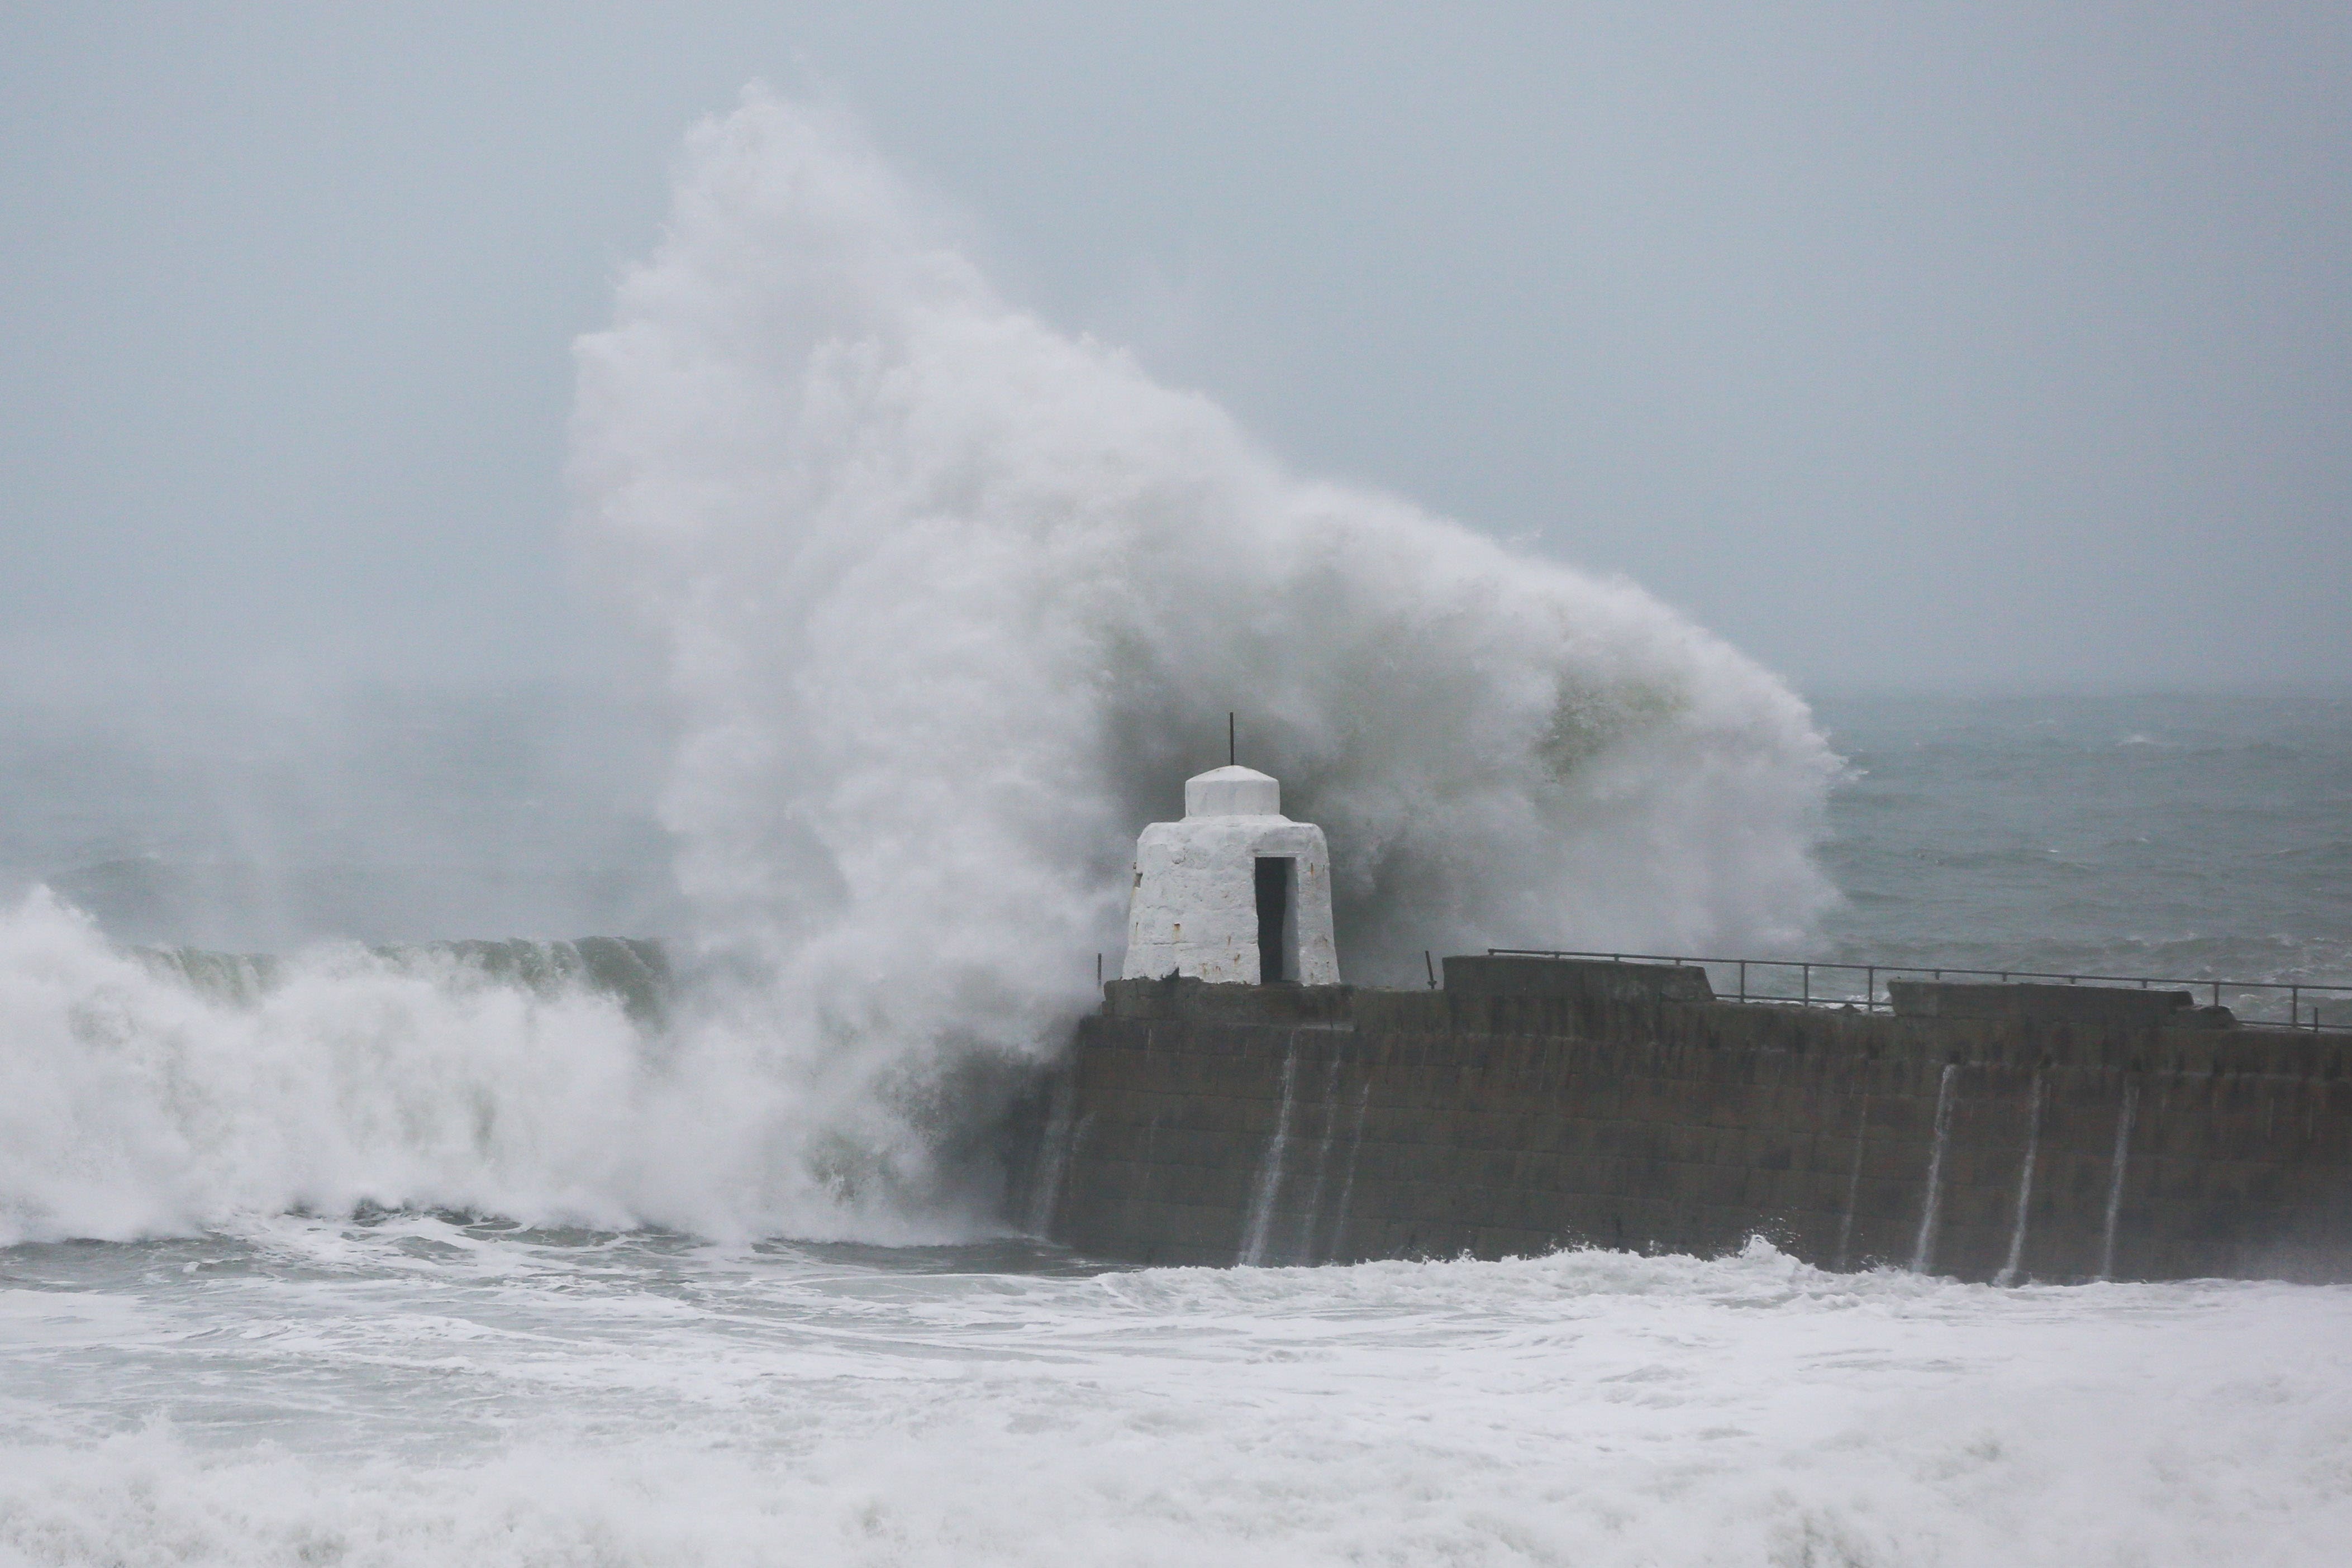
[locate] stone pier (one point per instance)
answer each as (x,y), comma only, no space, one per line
(1531,1105)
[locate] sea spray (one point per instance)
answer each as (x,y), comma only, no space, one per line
(943,605)
(946,604)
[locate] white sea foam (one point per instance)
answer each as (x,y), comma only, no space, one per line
(420,1394)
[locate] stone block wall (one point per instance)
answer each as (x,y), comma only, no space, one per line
(1284,1124)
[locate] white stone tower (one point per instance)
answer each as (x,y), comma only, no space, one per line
(1235,892)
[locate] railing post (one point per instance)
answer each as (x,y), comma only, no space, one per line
(1869,997)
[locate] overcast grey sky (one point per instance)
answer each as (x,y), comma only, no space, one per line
(1913,345)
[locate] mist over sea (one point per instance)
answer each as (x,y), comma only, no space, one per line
(2173,834)
(372,1254)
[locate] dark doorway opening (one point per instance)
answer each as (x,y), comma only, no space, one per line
(1274,877)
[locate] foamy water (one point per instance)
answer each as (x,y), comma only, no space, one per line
(422,1391)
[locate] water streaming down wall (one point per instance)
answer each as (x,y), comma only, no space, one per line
(1495,1121)
(1931,1205)
(1308,1250)
(2009,1270)
(1853,1185)
(1335,1246)
(1053,1160)
(1260,1224)
(2118,1165)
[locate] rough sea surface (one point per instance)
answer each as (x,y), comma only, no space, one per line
(418,1390)
(2179,835)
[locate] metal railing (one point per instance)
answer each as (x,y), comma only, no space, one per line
(1794,980)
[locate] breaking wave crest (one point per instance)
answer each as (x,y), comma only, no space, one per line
(153,1094)
(944,605)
